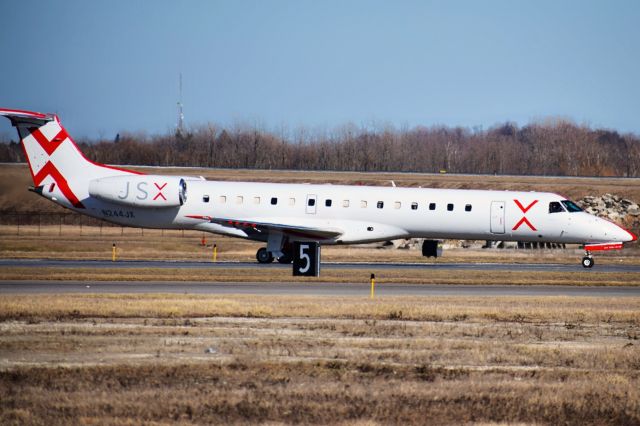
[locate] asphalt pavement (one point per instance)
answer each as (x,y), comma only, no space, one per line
(371,266)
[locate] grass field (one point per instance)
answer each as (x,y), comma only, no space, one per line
(125,359)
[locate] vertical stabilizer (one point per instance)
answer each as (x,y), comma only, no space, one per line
(55,162)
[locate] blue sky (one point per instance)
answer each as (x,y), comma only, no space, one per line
(110,66)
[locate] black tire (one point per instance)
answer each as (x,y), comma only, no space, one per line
(263,256)
(587,262)
(285,258)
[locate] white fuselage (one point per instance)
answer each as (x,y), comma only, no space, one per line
(362,214)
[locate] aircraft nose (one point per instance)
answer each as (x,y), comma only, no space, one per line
(619,233)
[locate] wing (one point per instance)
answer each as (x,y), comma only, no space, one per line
(293,229)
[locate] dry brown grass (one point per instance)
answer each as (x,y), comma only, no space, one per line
(131,359)
(329,275)
(419,308)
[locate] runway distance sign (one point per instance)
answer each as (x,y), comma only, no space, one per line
(306,259)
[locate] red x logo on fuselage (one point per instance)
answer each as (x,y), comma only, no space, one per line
(524,211)
(160,188)
(49,169)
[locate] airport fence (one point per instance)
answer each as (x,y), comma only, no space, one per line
(63,223)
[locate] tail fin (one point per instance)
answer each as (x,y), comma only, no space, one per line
(54,159)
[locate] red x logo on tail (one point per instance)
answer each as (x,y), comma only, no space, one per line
(49,169)
(524,211)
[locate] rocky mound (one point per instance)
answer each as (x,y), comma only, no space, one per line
(611,207)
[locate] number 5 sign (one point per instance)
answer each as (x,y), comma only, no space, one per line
(306,259)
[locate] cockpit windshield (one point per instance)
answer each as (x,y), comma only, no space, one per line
(571,206)
(555,207)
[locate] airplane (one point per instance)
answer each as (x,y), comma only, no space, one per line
(286,215)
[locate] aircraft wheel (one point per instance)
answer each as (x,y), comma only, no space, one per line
(587,262)
(263,256)
(286,258)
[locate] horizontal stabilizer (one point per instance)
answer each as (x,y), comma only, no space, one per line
(28,118)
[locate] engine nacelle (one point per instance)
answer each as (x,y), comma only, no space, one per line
(141,190)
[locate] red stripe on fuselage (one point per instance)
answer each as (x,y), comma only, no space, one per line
(603,247)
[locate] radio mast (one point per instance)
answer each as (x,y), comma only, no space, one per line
(180,126)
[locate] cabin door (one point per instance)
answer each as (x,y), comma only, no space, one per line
(311,204)
(497,217)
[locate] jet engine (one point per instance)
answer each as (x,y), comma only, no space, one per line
(141,190)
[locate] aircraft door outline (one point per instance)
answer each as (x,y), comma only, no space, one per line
(497,217)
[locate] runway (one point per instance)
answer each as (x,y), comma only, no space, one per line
(311,288)
(306,289)
(158,264)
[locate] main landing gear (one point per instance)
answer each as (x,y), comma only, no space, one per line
(264,256)
(587,260)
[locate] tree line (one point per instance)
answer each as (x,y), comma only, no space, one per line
(553,147)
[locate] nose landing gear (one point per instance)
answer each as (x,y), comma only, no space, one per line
(587,260)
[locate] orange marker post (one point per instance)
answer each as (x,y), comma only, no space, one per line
(113,253)
(215,252)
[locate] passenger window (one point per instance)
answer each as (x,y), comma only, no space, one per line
(311,202)
(292,201)
(239,199)
(327,203)
(555,207)
(414,206)
(223,199)
(397,204)
(432,206)
(380,204)
(363,204)
(205,198)
(450,207)
(345,203)
(274,201)
(467,208)
(256,200)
